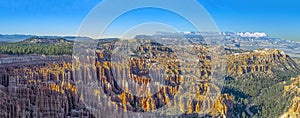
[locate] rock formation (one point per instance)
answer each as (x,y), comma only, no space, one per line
(180,83)
(261,60)
(39,90)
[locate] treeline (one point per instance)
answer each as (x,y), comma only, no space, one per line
(35,48)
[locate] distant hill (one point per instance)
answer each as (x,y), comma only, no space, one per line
(14,38)
(43,40)
(21,37)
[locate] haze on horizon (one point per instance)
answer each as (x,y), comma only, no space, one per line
(279,19)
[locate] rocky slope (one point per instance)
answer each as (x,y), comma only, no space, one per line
(293,89)
(254,79)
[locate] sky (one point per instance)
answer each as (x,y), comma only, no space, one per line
(278,18)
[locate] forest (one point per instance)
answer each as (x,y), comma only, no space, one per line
(23,48)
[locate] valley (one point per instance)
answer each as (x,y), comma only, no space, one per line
(255,82)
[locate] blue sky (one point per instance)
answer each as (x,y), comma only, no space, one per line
(63,17)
